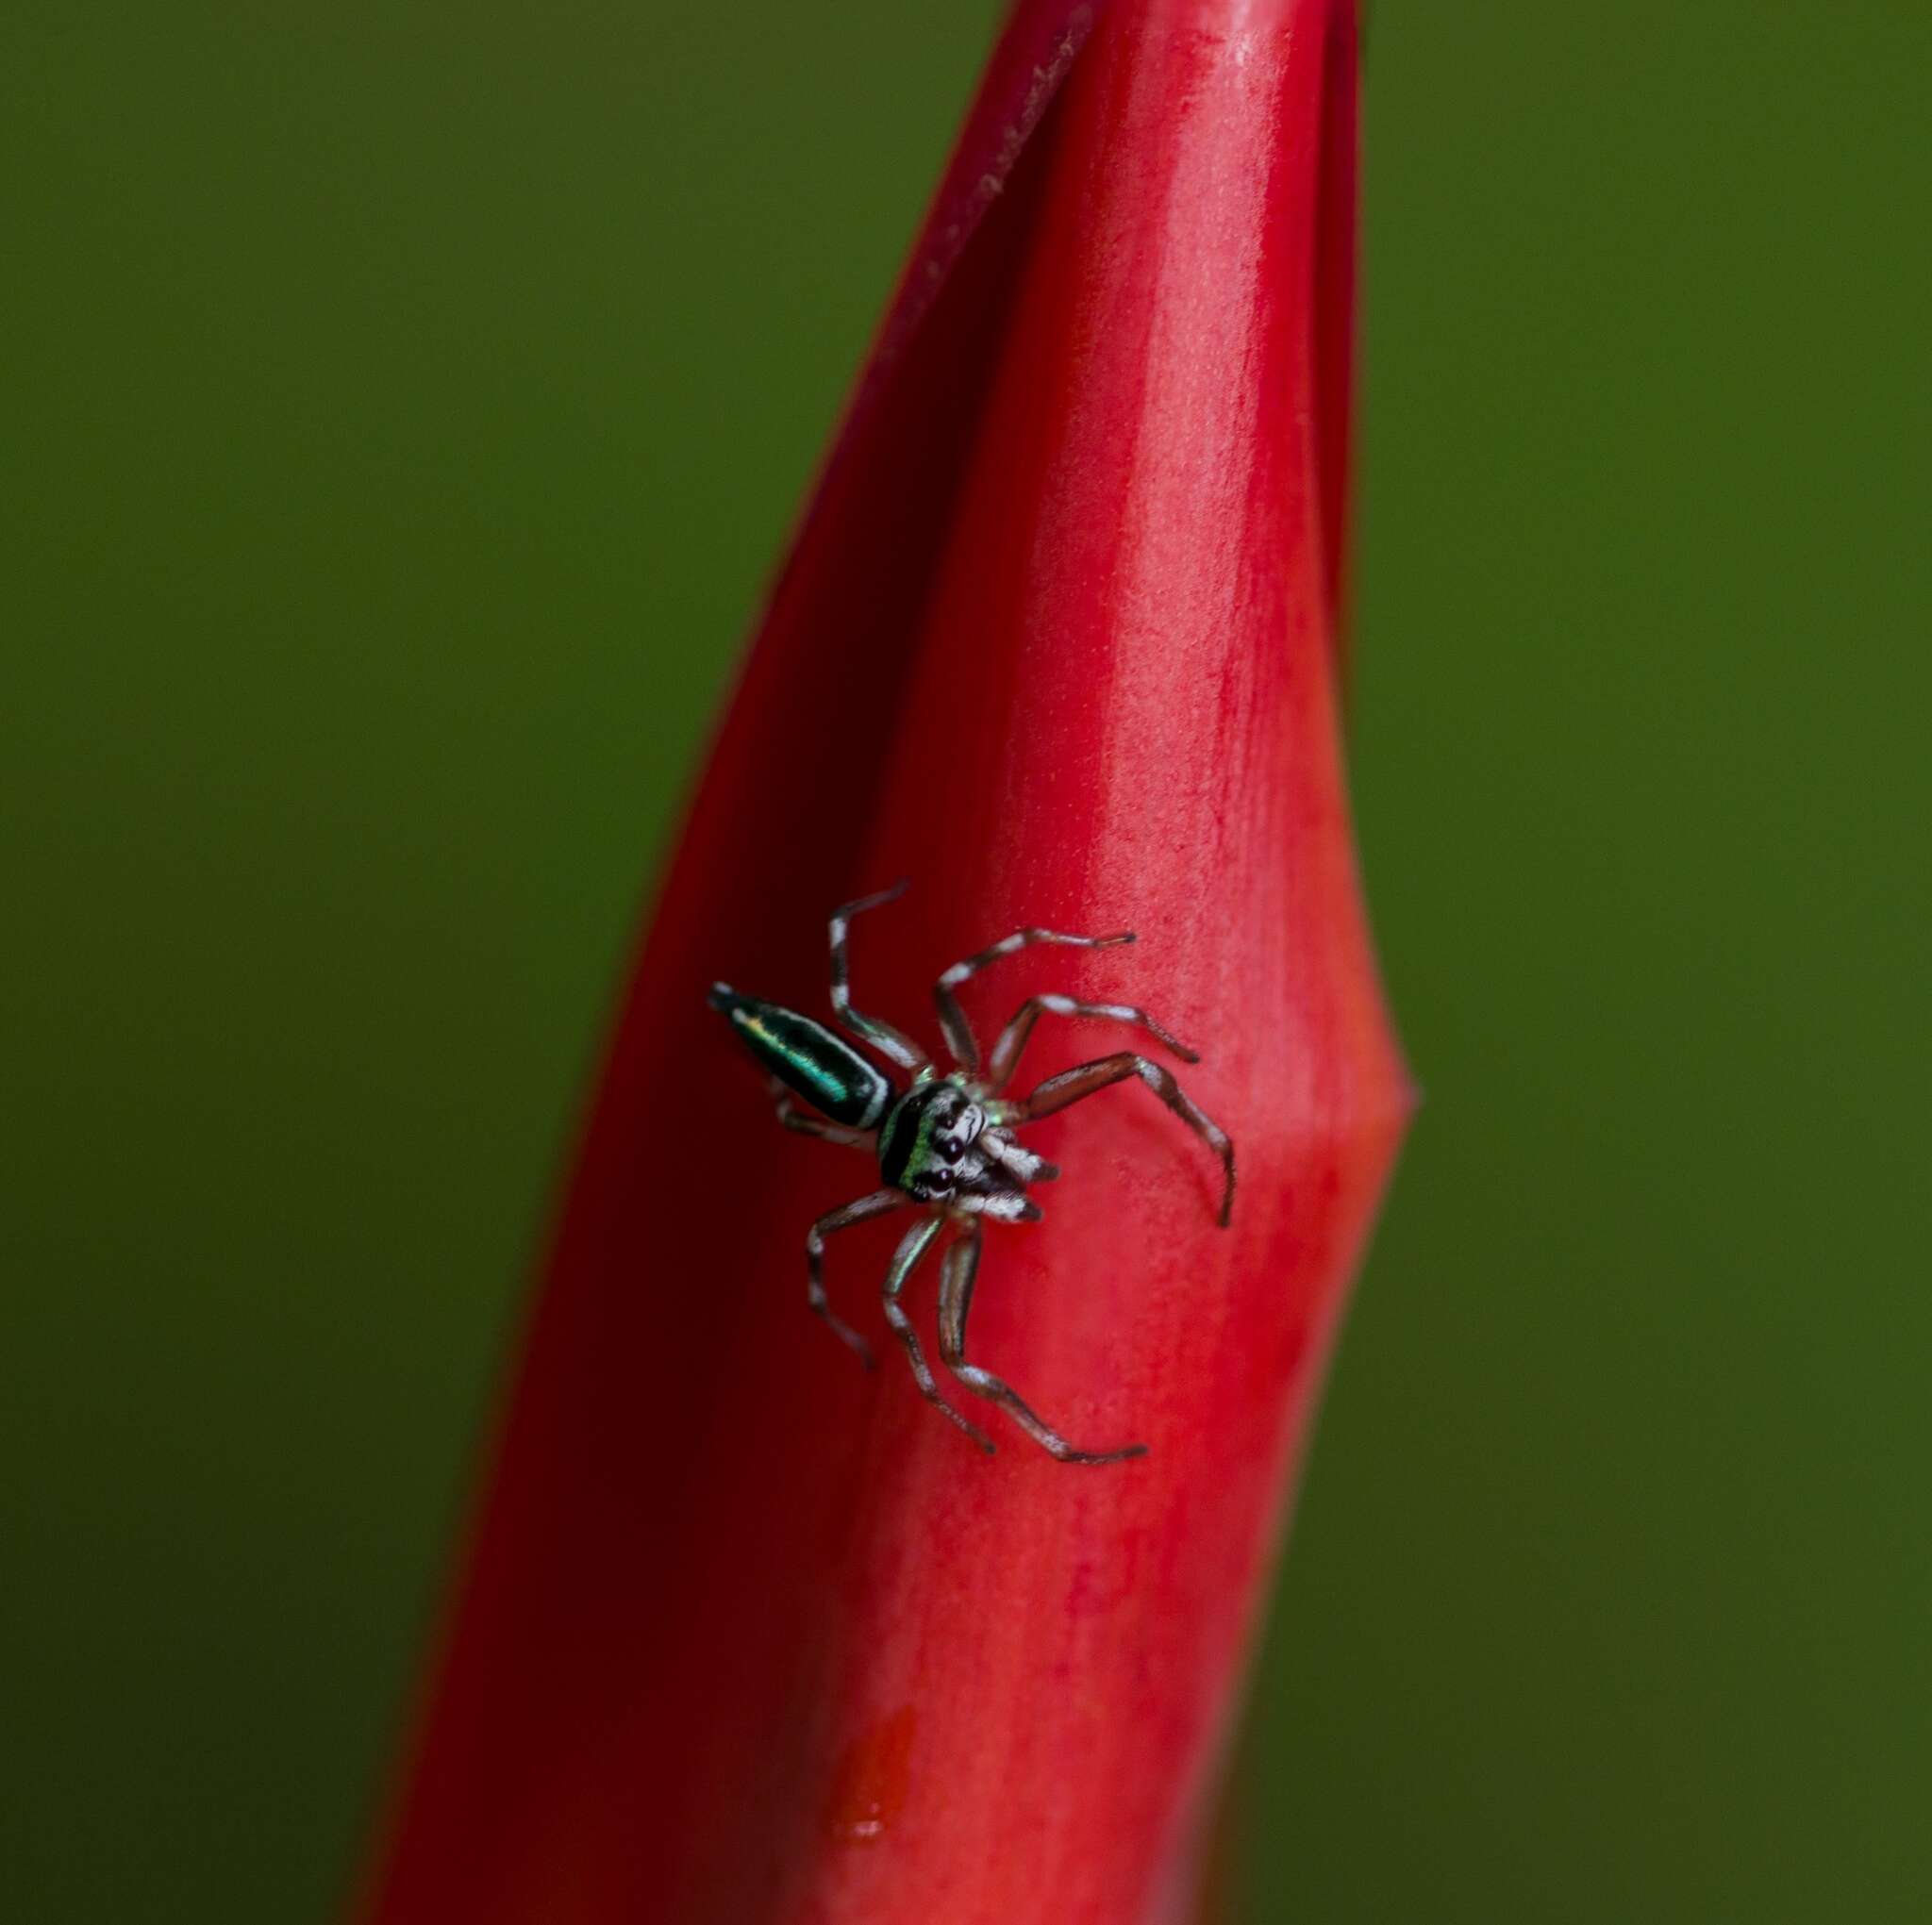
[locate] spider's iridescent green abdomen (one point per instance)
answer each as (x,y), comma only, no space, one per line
(807,1058)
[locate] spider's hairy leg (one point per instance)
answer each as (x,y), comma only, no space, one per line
(889,1041)
(914,1246)
(876,1205)
(1073,1085)
(1013,1040)
(958,1269)
(959,1032)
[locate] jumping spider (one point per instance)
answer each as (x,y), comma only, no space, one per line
(946,1144)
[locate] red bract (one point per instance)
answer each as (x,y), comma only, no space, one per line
(748,1634)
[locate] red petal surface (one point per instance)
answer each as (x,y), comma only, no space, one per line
(747,1635)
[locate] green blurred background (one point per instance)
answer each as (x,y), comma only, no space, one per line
(403,406)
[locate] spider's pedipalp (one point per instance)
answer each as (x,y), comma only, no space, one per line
(1022,1163)
(1005,1206)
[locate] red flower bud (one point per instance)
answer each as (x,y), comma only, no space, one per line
(747,1633)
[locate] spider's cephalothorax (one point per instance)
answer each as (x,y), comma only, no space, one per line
(945,1145)
(928,1146)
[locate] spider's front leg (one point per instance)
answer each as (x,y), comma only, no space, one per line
(957,1272)
(959,1032)
(1013,1039)
(1073,1085)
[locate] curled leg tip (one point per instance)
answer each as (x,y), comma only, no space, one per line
(858,1346)
(972,1431)
(1119,1456)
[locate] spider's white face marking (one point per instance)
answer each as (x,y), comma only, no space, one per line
(959,1133)
(952,1163)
